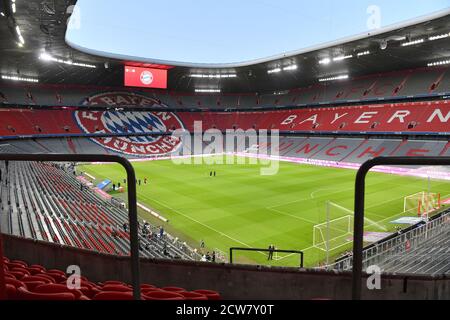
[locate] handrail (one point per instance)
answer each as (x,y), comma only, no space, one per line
(132,206)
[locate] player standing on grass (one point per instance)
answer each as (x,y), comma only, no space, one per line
(271,249)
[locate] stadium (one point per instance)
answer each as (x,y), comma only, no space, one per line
(320,173)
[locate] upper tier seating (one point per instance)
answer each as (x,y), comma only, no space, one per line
(391,85)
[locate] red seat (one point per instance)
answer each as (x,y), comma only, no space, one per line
(116,288)
(56,271)
(147,290)
(37,266)
(114,282)
(163,295)
(17,274)
(56,276)
(23,263)
(88,292)
(34,270)
(193,295)
(45,276)
(33,284)
(113,295)
(37,277)
(11,291)
(57,288)
(24,294)
(210,294)
(16,283)
(21,270)
(174,289)
(147,286)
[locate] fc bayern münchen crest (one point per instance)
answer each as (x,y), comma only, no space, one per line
(128,123)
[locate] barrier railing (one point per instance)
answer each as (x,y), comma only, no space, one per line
(382,251)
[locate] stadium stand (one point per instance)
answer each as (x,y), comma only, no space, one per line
(58,211)
(424,249)
(403,118)
(405,83)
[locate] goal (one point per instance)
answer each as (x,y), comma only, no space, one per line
(333,234)
(421,203)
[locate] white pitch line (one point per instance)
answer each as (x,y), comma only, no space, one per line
(292,216)
(286,203)
(196,221)
(291,254)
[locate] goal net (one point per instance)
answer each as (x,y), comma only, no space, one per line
(337,229)
(333,234)
(421,203)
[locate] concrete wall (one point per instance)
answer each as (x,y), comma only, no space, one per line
(233,282)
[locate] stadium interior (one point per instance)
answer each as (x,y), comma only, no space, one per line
(391,98)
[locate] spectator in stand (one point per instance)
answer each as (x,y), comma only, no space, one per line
(165,251)
(213,257)
(208,257)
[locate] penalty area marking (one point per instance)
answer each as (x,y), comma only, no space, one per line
(292,216)
(198,222)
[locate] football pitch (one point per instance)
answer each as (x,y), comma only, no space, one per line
(241,208)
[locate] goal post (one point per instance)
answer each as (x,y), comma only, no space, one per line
(421,203)
(337,229)
(333,234)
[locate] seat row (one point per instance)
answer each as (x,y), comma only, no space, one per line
(34,282)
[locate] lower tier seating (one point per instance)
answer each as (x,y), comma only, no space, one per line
(34,282)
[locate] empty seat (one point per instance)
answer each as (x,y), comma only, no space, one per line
(113,295)
(33,284)
(174,289)
(57,288)
(24,294)
(189,295)
(210,294)
(116,288)
(163,295)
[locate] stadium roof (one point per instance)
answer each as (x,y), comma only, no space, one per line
(32,45)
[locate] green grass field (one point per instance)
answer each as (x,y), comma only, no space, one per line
(241,208)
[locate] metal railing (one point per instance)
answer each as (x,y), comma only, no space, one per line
(409,240)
